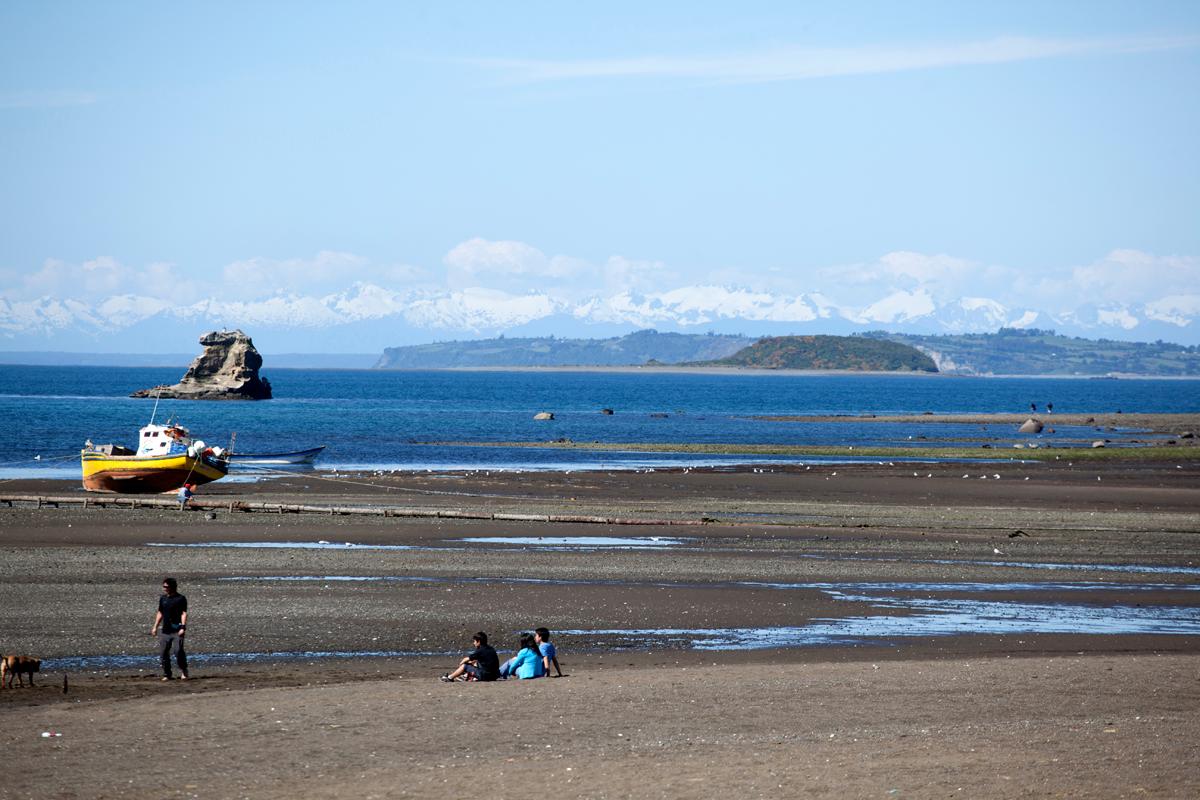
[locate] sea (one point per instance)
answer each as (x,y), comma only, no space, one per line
(376,420)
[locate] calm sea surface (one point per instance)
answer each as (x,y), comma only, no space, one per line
(380,419)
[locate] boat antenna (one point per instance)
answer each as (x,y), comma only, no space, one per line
(157,397)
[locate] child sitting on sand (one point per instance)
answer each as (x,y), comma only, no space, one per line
(527,663)
(481,664)
(548,652)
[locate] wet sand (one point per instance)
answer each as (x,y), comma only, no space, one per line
(968,715)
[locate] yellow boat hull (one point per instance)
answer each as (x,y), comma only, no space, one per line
(146,474)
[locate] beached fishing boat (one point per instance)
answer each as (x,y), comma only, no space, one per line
(289,459)
(166,458)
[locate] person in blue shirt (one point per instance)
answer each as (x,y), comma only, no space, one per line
(527,663)
(548,652)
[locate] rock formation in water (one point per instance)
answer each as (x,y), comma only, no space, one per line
(227,370)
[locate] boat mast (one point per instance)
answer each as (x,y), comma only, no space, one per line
(157,397)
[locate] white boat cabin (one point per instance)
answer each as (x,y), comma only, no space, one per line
(162,440)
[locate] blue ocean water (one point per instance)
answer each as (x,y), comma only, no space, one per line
(387,419)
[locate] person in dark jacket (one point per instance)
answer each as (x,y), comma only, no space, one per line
(172,618)
(481,664)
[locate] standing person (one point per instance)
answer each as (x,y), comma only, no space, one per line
(172,617)
(481,664)
(548,651)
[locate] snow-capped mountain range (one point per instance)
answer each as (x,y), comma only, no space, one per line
(367,316)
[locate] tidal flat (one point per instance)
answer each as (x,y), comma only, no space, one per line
(830,631)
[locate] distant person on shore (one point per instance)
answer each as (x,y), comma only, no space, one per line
(185,495)
(172,618)
(1049,408)
(527,663)
(481,664)
(1033,407)
(548,651)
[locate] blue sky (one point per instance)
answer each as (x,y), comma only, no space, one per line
(317,166)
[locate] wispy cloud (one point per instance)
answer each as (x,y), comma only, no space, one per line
(57,98)
(803,63)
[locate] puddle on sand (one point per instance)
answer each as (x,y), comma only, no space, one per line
(535,542)
(833,588)
(320,545)
(578,542)
(151,663)
(948,618)
(1150,569)
(1159,570)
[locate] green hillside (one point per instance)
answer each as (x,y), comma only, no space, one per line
(1012,351)
(647,346)
(831,352)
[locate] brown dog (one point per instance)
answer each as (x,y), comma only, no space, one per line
(18,666)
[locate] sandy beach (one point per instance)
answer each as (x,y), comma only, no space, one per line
(315,668)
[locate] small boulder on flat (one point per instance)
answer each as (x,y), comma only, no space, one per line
(606,412)
(542,415)
(1187,435)
(1030,425)
(1097,444)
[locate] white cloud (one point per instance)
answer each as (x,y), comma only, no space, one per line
(805,63)
(1133,276)
(1120,317)
(121,311)
(476,258)
(1179,310)
(1026,320)
(260,277)
(625,274)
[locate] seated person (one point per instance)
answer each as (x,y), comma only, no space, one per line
(527,663)
(481,664)
(549,654)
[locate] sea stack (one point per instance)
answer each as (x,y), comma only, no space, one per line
(226,370)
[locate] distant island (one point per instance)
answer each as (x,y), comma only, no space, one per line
(856,353)
(1009,351)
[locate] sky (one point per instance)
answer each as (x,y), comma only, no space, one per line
(343,177)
